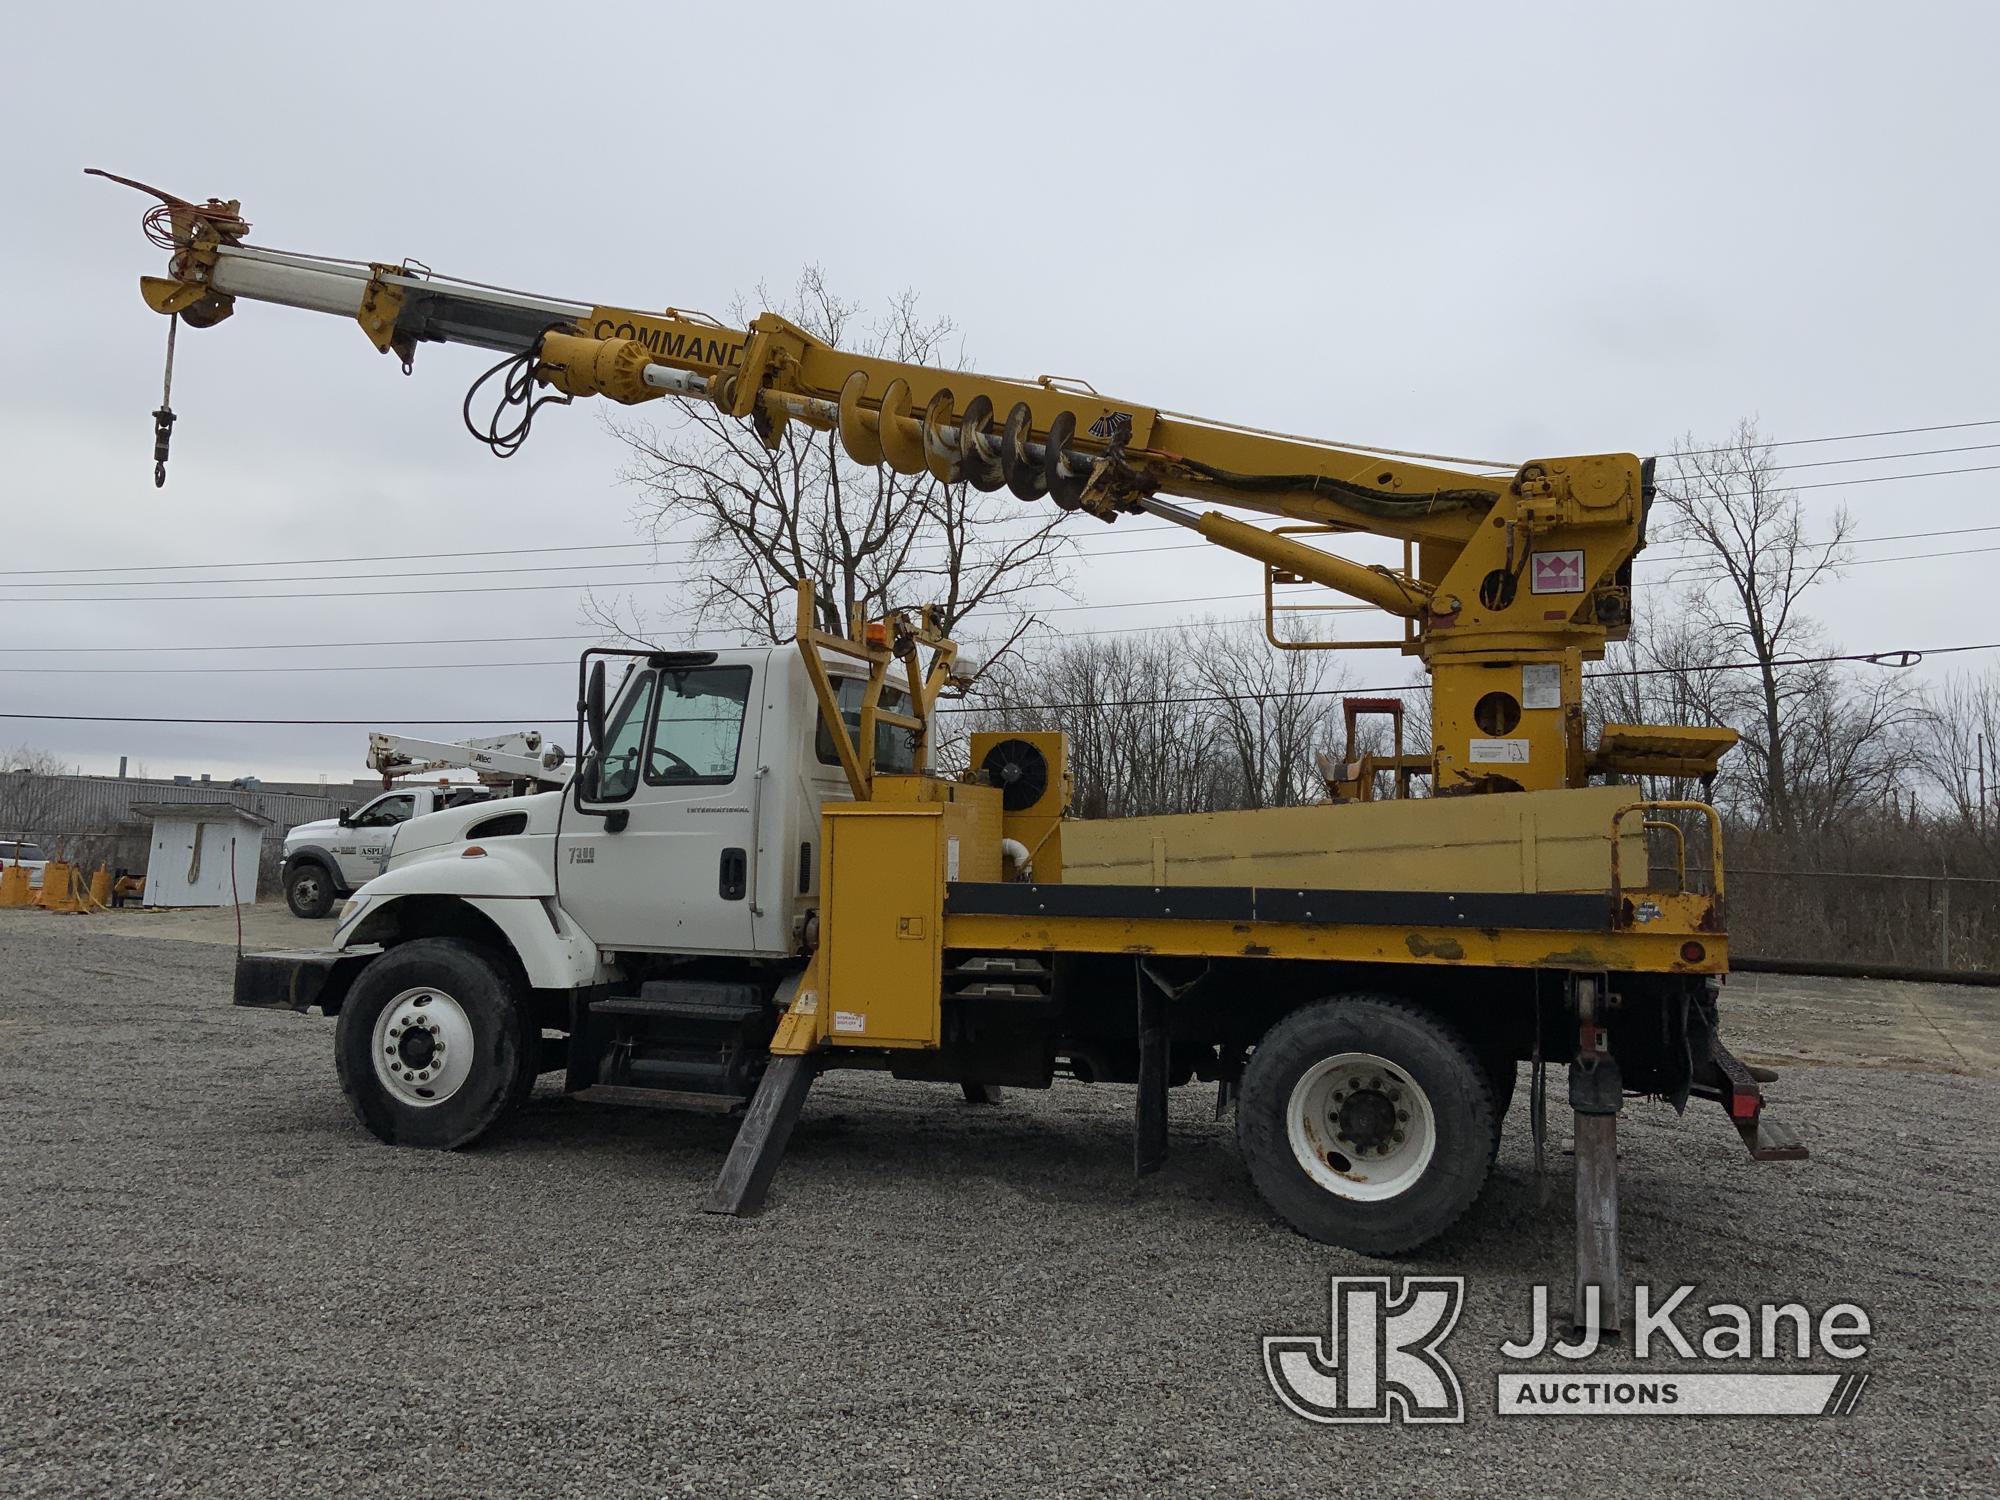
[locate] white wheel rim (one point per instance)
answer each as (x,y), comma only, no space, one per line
(1360,1127)
(423,1047)
(306,889)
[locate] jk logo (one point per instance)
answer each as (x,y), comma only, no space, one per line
(1380,1360)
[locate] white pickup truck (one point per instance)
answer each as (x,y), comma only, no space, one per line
(331,858)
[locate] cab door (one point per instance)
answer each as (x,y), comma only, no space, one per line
(363,848)
(662,855)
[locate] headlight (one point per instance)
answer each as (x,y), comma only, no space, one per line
(349,910)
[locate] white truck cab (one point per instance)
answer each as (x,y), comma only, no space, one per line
(694,831)
(331,857)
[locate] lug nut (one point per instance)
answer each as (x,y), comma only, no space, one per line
(1398,1136)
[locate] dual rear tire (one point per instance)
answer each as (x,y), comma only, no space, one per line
(1367,1122)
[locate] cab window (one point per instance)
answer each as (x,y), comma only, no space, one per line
(698,728)
(893,750)
(388,812)
(624,741)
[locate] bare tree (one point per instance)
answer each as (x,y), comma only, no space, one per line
(1201,718)
(759,521)
(1273,710)
(1751,562)
(29,794)
(1960,760)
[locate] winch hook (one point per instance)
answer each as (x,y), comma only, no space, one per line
(163,418)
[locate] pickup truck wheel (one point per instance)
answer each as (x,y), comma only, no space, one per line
(309,890)
(1367,1123)
(432,1044)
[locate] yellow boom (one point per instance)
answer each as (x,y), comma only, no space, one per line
(1515,579)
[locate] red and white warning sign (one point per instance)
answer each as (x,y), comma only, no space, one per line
(1555,572)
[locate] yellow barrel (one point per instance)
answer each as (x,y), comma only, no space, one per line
(14,887)
(55,886)
(100,886)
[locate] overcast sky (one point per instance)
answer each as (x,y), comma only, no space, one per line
(1492,230)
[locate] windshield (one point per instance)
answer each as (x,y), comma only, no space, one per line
(13,850)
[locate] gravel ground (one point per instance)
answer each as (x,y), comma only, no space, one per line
(216,1283)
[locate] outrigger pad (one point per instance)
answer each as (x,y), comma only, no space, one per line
(761,1139)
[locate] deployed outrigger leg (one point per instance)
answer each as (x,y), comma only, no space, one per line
(761,1138)
(1596,1091)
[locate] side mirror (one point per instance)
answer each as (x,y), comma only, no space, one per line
(593,702)
(346,818)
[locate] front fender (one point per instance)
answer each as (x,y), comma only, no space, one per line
(505,896)
(554,950)
(312,854)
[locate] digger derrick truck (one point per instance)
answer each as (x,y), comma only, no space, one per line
(754,876)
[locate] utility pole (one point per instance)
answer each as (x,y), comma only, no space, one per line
(1982,781)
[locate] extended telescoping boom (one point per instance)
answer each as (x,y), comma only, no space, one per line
(1530,568)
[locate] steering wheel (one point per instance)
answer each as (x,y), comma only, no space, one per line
(679,766)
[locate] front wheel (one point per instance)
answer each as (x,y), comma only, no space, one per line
(309,890)
(433,1046)
(1367,1123)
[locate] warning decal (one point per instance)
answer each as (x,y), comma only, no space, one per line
(1556,572)
(1499,752)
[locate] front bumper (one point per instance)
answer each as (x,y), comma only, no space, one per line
(300,979)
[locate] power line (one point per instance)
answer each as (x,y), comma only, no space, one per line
(1846,437)
(1692,578)
(301,562)
(1836,484)
(1894,659)
(1078,542)
(461,640)
(1701,577)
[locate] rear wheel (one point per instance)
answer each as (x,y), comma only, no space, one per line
(433,1045)
(309,890)
(1367,1123)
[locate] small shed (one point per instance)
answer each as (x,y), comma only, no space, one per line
(203,853)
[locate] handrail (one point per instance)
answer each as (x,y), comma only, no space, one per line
(1681,843)
(1662,805)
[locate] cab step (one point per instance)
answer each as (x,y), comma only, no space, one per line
(687,1100)
(687,1043)
(686,1000)
(1734,1084)
(1771,1140)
